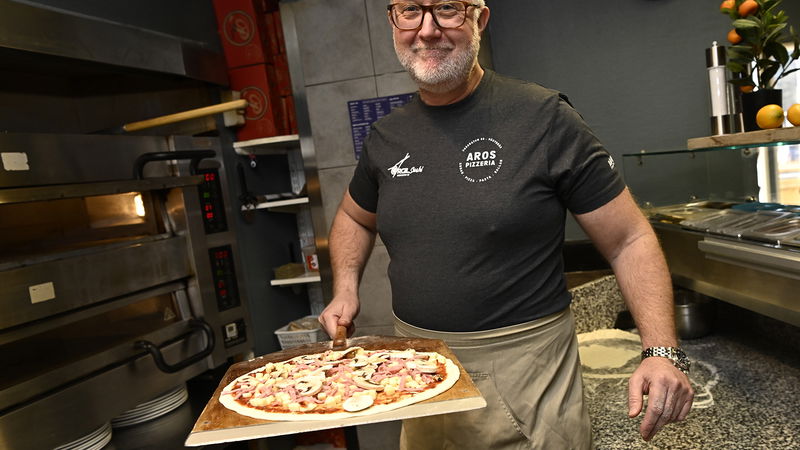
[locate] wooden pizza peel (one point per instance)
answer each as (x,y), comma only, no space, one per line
(218,424)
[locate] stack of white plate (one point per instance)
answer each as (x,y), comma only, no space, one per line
(95,440)
(152,409)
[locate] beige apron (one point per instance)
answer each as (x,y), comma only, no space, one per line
(529,375)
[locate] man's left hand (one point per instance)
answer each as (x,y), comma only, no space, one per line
(669,395)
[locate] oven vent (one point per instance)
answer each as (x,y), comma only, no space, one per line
(39,36)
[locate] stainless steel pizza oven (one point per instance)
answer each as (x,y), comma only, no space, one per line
(118,277)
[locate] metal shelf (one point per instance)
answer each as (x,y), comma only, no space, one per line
(274,145)
(278,204)
(298,280)
(750,139)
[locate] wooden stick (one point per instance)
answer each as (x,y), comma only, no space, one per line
(185,115)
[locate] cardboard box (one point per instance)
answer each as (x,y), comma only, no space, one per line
(241,27)
(263,105)
(282,117)
(282,81)
(270,5)
(271,44)
(276,17)
(289,108)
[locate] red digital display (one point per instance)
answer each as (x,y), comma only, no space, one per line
(225,285)
(211,201)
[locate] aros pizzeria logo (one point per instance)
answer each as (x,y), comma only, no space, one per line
(480,160)
(257,104)
(239,28)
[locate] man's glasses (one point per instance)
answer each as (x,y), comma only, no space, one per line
(409,15)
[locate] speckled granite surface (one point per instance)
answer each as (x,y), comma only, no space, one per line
(746,375)
(596,304)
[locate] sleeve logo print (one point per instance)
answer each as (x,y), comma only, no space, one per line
(480,160)
(611,162)
(398,170)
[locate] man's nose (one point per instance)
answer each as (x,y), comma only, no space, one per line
(429,29)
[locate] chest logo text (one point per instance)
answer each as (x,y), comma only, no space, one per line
(480,160)
(398,170)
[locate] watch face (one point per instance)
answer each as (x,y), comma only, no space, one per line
(682,359)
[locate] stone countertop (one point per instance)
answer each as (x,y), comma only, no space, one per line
(746,375)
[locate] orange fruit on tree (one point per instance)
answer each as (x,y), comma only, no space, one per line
(770,116)
(727,4)
(793,114)
(748,7)
(733,37)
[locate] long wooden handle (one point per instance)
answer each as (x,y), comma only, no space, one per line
(340,340)
(186,115)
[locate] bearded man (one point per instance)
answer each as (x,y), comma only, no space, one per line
(468,186)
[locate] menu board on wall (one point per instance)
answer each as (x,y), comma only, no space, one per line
(364,113)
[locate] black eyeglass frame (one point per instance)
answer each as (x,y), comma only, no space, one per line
(429,9)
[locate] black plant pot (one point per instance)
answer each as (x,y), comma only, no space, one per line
(753,101)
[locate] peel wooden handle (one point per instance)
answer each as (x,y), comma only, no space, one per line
(340,340)
(185,115)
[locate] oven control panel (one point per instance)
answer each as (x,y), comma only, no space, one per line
(224,275)
(211,202)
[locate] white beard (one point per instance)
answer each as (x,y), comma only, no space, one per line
(439,74)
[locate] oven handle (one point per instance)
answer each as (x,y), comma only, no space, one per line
(195,325)
(194,155)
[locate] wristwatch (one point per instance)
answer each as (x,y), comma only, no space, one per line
(674,354)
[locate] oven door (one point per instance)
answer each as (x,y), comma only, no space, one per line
(108,285)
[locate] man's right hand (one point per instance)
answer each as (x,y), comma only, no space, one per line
(342,310)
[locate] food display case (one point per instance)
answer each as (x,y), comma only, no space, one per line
(727,212)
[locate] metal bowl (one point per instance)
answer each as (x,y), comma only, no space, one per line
(693,314)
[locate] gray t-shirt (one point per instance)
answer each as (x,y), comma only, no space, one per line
(471,200)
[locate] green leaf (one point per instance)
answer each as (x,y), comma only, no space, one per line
(735,67)
(765,64)
(768,74)
(741,51)
(788,72)
(745,24)
(740,47)
(774,32)
(768,7)
(778,51)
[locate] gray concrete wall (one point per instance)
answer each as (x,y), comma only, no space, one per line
(347,54)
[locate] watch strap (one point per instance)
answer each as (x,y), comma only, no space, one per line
(674,354)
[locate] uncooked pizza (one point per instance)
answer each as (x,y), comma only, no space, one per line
(340,384)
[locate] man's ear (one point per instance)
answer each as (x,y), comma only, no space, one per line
(483,19)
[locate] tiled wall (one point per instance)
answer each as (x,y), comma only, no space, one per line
(347,54)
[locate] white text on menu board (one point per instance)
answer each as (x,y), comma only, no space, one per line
(363,113)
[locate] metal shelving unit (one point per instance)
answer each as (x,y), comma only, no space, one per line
(275,145)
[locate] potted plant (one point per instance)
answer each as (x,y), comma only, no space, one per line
(758,56)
